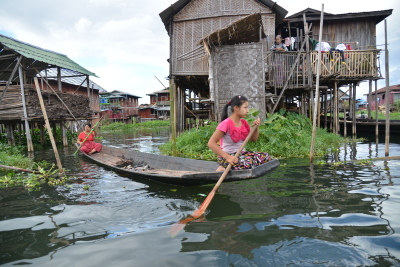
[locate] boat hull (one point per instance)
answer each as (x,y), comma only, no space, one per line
(173,170)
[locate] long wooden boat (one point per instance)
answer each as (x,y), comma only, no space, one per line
(172,170)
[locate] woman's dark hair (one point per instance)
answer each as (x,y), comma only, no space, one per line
(88,124)
(236,101)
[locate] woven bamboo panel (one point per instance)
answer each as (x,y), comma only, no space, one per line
(197,9)
(188,57)
(238,70)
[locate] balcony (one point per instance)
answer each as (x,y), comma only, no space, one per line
(354,65)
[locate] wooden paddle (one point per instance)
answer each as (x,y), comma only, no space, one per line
(200,211)
(87,136)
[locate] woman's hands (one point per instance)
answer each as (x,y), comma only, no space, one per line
(231,159)
(257,122)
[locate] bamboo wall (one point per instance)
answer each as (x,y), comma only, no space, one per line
(362,31)
(201,18)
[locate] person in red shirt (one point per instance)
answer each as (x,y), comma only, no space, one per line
(88,146)
(231,132)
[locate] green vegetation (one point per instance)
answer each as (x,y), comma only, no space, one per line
(381,116)
(20,137)
(13,156)
(43,172)
(283,134)
(120,126)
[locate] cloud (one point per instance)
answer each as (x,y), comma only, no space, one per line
(125,42)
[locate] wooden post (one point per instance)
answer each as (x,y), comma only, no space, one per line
(387,96)
(59,79)
(27,129)
(326,108)
(354,111)
(335,109)
(344,122)
(369,99)
(46,119)
(314,129)
(172,89)
(42,138)
(376,112)
(64,134)
(10,134)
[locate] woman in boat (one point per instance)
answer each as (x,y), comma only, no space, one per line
(88,146)
(231,133)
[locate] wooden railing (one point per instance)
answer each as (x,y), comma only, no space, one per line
(352,64)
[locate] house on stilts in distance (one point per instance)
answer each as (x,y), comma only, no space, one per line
(219,49)
(69,95)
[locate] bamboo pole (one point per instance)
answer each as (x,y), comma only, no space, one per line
(344,121)
(46,119)
(27,129)
(387,96)
(369,99)
(335,109)
(354,111)
(314,130)
(326,108)
(376,112)
(59,98)
(172,114)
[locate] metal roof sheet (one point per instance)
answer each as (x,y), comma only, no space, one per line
(43,55)
(70,77)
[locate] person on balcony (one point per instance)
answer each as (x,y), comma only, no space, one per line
(278,46)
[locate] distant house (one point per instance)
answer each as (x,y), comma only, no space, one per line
(118,105)
(394,95)
(159,107)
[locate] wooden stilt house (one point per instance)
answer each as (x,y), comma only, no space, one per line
(189,21)
(20,107)
(220,49)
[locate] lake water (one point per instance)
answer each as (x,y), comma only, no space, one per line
(298,215)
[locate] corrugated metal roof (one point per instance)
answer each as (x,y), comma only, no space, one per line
(71,77)
(43,55)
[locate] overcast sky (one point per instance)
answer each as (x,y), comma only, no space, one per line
(125,43)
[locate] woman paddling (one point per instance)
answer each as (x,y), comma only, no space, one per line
(231,133)
(88,146)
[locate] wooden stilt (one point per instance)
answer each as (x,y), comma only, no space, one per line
(27,130)
(376,112)
(172,94)
(314,130)
(42,138)
(10,134)
(64,134)
(354,111)
(369,99)
(326,108)
(387,96)
(46,119)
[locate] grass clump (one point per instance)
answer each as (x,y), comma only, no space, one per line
(13,156)
(120,126)
(283,134)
